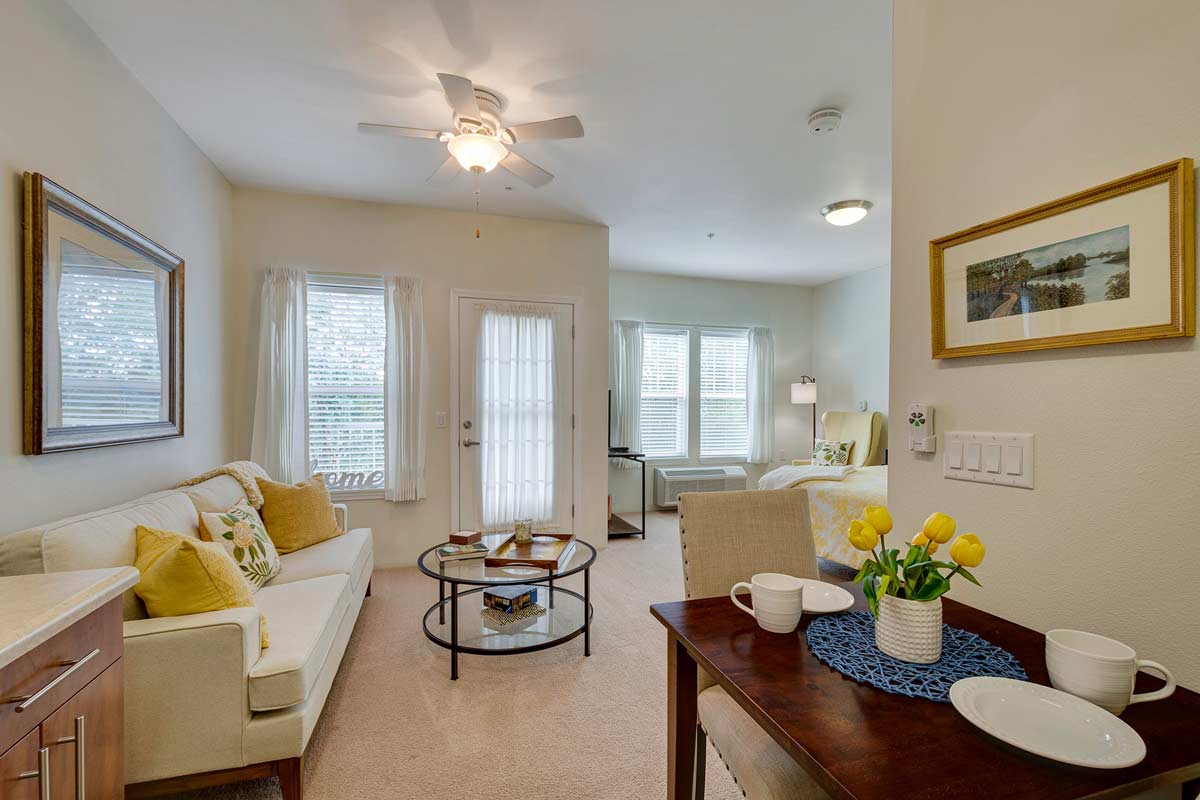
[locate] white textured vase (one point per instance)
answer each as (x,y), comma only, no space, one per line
(910,630)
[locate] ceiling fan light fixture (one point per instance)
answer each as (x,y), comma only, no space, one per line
(477,152)
(846,212)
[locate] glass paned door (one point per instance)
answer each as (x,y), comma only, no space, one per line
(514,437)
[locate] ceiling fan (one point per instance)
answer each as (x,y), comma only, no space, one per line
(479,142)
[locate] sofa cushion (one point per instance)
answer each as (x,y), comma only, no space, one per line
(298,516)
(348,554)
(305,616)
(216,494)
(107,538)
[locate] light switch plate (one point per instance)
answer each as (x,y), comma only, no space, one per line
(1005,459)
(440,419)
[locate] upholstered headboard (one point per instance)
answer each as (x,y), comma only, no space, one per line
(864,428)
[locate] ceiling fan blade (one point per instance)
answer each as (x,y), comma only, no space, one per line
(461,94)
(561,128)
(399,130)
(527,171)
(445,172)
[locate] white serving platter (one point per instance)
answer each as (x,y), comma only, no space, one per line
(824,598)
(1047,722)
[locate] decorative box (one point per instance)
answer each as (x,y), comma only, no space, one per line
(465,537)
(509,599)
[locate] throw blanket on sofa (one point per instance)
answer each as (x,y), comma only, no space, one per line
(788,476)
(244,472)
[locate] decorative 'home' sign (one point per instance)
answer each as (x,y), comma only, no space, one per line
(1115,263)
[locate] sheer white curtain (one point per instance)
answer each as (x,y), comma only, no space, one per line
(280,440)
(625,379)
(404,389)
(760,378)
(515,384)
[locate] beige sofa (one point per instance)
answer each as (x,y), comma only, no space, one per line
(202,700)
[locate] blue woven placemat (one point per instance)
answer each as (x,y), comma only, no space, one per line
(846,642)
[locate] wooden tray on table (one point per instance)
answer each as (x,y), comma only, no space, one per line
(543,552)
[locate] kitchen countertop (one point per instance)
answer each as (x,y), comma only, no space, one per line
(35,607)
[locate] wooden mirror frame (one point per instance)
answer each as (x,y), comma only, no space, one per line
(43,196)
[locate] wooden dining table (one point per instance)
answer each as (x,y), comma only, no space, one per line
(861,743)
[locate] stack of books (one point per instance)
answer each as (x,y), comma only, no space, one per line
(457,552)
(510,599)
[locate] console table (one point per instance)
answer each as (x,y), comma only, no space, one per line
(618,525)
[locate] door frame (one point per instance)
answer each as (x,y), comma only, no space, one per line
(576,390)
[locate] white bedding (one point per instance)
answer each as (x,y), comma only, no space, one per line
(793,475)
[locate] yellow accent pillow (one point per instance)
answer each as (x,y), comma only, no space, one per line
(298,516)
(182,575)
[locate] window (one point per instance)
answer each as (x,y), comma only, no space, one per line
(664,404)
(724,429)
(346,341)
(109,340)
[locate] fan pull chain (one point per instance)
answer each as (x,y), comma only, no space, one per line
(476,201)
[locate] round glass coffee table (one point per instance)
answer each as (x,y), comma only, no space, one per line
(568,613)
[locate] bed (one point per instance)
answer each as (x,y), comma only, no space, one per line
(833,504)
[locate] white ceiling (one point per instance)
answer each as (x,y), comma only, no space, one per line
(695,112)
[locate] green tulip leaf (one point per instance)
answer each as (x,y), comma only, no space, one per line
(963,571)
(934,586)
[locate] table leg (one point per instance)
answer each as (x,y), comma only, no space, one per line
(643,499)
(441,602)
(552,588)
(681,721)
(587,612)
(453,631)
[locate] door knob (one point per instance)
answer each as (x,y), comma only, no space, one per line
(468,442)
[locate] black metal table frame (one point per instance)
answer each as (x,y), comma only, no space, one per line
(455,648)
(637,458)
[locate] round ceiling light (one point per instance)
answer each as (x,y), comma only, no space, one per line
(846,212)
(477,152)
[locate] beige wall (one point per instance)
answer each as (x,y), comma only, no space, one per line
(514,256)
(784,308)
(73,113)
(1000,106)
(850,342)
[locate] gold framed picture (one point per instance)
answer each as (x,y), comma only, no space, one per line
(1115,263)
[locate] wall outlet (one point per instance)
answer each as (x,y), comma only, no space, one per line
(862,405)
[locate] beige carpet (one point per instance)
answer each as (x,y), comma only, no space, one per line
(551,724)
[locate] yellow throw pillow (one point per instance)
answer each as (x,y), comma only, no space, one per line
(298,516)
(182,575)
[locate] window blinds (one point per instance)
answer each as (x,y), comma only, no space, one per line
(109,348)
(664,406)
(346,343)
(723,421)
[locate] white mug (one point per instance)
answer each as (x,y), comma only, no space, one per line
(778,601)
(1099,669)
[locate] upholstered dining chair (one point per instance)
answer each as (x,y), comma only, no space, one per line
(726,537)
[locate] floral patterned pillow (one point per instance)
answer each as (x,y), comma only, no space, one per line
(831,454)
(244,537)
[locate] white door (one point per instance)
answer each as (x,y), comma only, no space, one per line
(515,411)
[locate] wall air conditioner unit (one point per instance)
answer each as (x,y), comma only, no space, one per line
(670,482)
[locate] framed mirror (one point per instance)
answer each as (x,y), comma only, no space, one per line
(103,327)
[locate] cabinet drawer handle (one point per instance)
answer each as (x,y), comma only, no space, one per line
(80,758)
(25,701)
(42,773)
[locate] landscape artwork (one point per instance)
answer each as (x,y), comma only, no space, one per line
(1087,269)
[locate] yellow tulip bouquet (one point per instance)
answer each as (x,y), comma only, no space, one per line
(918,575)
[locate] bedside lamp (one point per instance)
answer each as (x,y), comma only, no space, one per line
(804,393)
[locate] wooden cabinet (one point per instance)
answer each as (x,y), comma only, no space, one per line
(62,715)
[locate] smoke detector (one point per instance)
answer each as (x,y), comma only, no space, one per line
(824,121)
